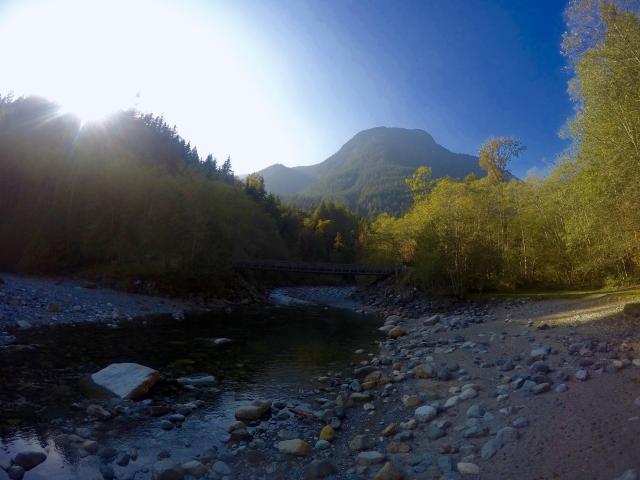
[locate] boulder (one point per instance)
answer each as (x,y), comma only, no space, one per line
(29,459)
(252,412)
(126,380)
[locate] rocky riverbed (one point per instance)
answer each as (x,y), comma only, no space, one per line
(449,390)
(32,301)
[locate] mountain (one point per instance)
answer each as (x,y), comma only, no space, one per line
(285,181)
(368,173)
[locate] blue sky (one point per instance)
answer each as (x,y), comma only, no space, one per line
(290,81)
(462,70)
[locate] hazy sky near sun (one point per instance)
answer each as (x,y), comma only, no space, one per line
(290,81)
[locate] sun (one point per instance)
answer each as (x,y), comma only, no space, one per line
(88,110)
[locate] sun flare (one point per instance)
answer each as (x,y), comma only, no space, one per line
(195,66)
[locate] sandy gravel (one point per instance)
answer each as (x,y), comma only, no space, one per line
(30,301)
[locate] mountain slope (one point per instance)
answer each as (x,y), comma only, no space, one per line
(368,172)
(284,180)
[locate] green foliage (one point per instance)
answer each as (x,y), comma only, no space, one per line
(127,199)
(496,153)
(578,228)
(368,173)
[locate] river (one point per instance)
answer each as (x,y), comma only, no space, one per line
(277,353)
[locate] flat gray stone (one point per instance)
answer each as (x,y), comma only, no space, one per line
(126,380)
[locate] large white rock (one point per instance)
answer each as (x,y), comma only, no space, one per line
(126,380)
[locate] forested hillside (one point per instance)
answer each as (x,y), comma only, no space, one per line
(367,174)
(579,227)
(129,199)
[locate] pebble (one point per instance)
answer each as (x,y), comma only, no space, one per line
(327,433)
(520,422)
(582,375)
(425,413)
(561,388)
(296,447)
(221,468)
(388,472)
(630,474)
(319,469)
(466,468)
(369,458)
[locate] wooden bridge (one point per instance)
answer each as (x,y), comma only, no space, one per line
(318,268)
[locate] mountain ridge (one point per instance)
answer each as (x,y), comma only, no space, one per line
(367,173)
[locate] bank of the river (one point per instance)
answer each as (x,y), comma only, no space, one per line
(27,301)
(442,390)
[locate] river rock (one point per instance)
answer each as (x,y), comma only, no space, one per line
(296,447)
(410,400)
(126,380)
(489,449)
(167,470)
(123,459)
(389,430)
(369,458)
(388,472)
(425,413)
(221,468)
(424,371)
(466,468)
(29,459)
(107,472)
(91,446)
(195,468)
(327,433)
(541,388)
(582,375)
(362,442)
(319,469)
(520,422)
(252,412)
(631,474)
(54,308)
(15,472)
(98,412)
(397,331)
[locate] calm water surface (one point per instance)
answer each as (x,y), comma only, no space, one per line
(277,353)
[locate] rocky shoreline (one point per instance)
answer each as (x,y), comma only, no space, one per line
(452,390)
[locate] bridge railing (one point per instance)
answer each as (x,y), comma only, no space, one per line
(316,267)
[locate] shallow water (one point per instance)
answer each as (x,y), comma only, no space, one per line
(277,353)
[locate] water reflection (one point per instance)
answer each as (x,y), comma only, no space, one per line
(275,353)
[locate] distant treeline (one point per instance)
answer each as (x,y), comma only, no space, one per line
(128,199)
(580,227)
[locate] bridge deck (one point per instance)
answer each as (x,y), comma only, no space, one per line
(324,268)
